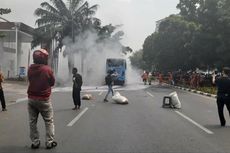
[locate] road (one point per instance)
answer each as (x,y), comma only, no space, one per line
(141,126)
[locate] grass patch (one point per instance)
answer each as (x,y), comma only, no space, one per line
(210,90)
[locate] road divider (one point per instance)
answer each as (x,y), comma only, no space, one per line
(195,91)
(195,123)
(71,123)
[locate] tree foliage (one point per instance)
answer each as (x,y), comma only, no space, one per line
(67,19)
(4,11)
(197,37)
(73,19)
(58,20)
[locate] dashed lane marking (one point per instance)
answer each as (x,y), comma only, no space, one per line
(101,93)
(71,123)
(195,123)
(150,94)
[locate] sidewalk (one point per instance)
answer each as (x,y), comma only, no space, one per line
(14,90)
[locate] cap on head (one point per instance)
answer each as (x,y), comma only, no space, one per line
(40,56)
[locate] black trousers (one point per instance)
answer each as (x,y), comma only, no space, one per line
(2,99)
(76,97)
(221,101)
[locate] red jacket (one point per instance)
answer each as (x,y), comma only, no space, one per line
(41,79)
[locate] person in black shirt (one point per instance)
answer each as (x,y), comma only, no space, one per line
(77,83)
(223,93)
(109,81)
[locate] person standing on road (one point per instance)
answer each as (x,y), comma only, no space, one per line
(2,98)
(41,79)
(109,81)
(144,77)
(160,78)
(223,93)
(76,93)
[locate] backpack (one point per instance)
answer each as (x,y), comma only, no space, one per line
(108,80)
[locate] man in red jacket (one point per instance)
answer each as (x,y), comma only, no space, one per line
(41,79)
(2,98)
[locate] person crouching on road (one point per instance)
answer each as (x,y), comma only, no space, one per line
(223,93)
(109,81)
(41,79)
(76,93)
(2,98)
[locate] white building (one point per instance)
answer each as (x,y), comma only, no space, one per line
(15,48)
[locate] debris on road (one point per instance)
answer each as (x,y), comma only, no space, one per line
(87,97)
(119,99)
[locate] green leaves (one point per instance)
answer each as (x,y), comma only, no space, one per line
(169,48)
(198,37)
(70,19)
(4,11)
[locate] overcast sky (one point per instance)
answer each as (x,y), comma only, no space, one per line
(137,16)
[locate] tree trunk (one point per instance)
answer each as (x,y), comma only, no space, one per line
(70,63)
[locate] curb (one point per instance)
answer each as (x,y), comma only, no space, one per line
(195,91)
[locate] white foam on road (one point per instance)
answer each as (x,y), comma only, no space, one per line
(100,89)
(103,88)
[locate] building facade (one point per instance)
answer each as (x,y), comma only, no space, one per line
(15,48)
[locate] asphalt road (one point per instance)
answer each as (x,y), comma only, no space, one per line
(141,126)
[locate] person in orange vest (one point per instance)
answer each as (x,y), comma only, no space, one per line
(171,78)
(145,77)
(160,78)
(150,78)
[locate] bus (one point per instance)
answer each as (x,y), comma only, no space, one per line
(119,66)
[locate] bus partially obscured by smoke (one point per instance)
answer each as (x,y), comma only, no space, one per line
(119,66)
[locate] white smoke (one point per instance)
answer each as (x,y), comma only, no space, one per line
(92,54)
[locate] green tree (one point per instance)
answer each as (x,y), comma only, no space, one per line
(67,19)
(4,11)
(170,48)
(212,41)
(189,9)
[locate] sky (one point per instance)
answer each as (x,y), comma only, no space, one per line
(138,17)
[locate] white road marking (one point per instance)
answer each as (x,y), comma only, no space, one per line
(195,123)
(77,117)
(100,93)
(150,94)
(18,101)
